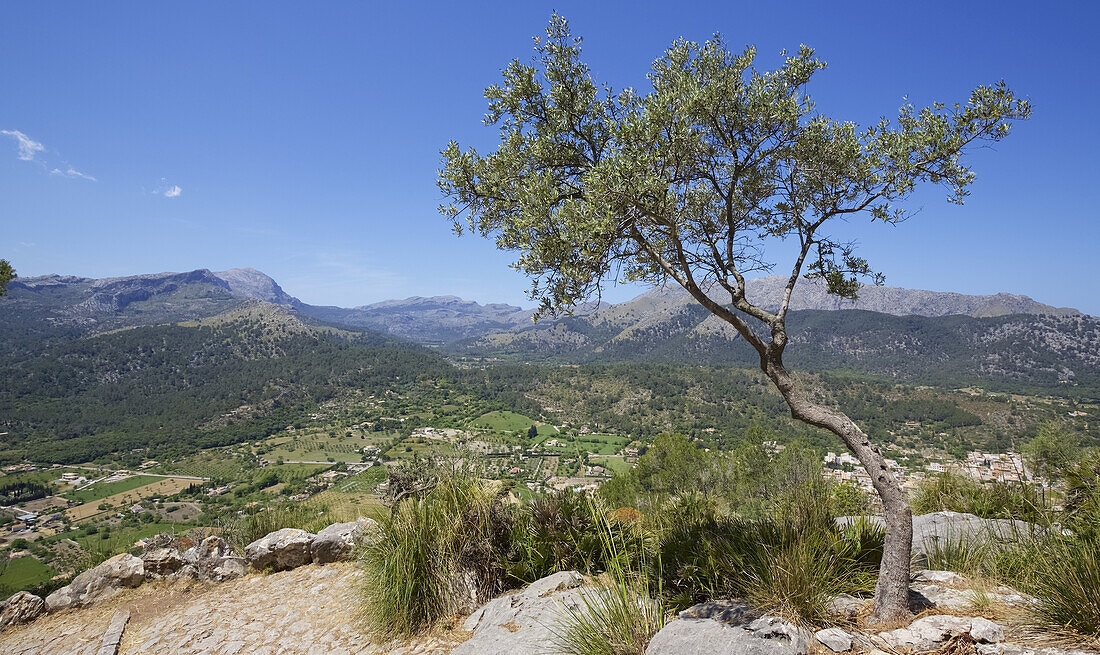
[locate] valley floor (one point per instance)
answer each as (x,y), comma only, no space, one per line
(299,612)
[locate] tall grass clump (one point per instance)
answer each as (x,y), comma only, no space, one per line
(1066,582)
(997,500)
(437,555)
(785,566)
(622,615)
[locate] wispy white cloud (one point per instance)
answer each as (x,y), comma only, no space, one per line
(29,150)
(167,190)
(28,147)
(72,172)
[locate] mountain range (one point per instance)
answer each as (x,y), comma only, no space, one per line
(890,332)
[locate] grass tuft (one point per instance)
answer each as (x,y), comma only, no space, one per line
(620,617)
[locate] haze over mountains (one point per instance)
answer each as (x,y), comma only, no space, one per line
(889,332)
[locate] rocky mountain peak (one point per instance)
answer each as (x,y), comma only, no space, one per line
(250,283)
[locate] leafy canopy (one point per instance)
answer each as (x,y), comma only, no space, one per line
(7,274)
(692,179)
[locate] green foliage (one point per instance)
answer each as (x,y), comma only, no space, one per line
(622,615)
(21,491)
(686,179)
(560,532)
(1067,584)
(7,274)
(1052,451)
(792,568)
(956,493)
(438,554)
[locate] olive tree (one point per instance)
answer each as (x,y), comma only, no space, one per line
(698,179)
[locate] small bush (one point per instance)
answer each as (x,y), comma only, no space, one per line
(556,533)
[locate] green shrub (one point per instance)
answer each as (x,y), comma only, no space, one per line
(792,568)
(555,533)
(438,554)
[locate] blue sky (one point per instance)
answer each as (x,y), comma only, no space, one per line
(302,139)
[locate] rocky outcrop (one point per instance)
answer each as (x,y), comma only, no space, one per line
(928,529)
(99,583)
(212,560)
(21,608)
(522,623)
(161,562)
(281,550)
(930,632)
(947,590)
(834,639)
(728,627)
(337,541)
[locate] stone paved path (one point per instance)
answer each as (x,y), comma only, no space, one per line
(306,611)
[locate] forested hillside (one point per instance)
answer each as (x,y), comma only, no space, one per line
(1012,352)
(171,387)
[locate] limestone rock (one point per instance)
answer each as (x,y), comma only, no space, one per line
(928,529)
(691,636)
(162,562)
(949,578)
(281,550)
(20,608)
(729,627)
(725,611)
(521,623)
(834,639)
(337,541)
(99,583)
(846,606)
(213,560)
(1017,649)
(113,635)
(929,596)
(927,632)
(985,631)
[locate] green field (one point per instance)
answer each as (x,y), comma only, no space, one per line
(119,540)
(102,490)
(505,421)
(615,464)
(218,464)
(598,444)
(423,446)
(320,446)
(364,482)
(23,572)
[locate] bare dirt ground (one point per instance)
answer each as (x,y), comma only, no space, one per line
(308,610)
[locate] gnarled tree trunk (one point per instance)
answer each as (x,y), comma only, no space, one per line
(892,588)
